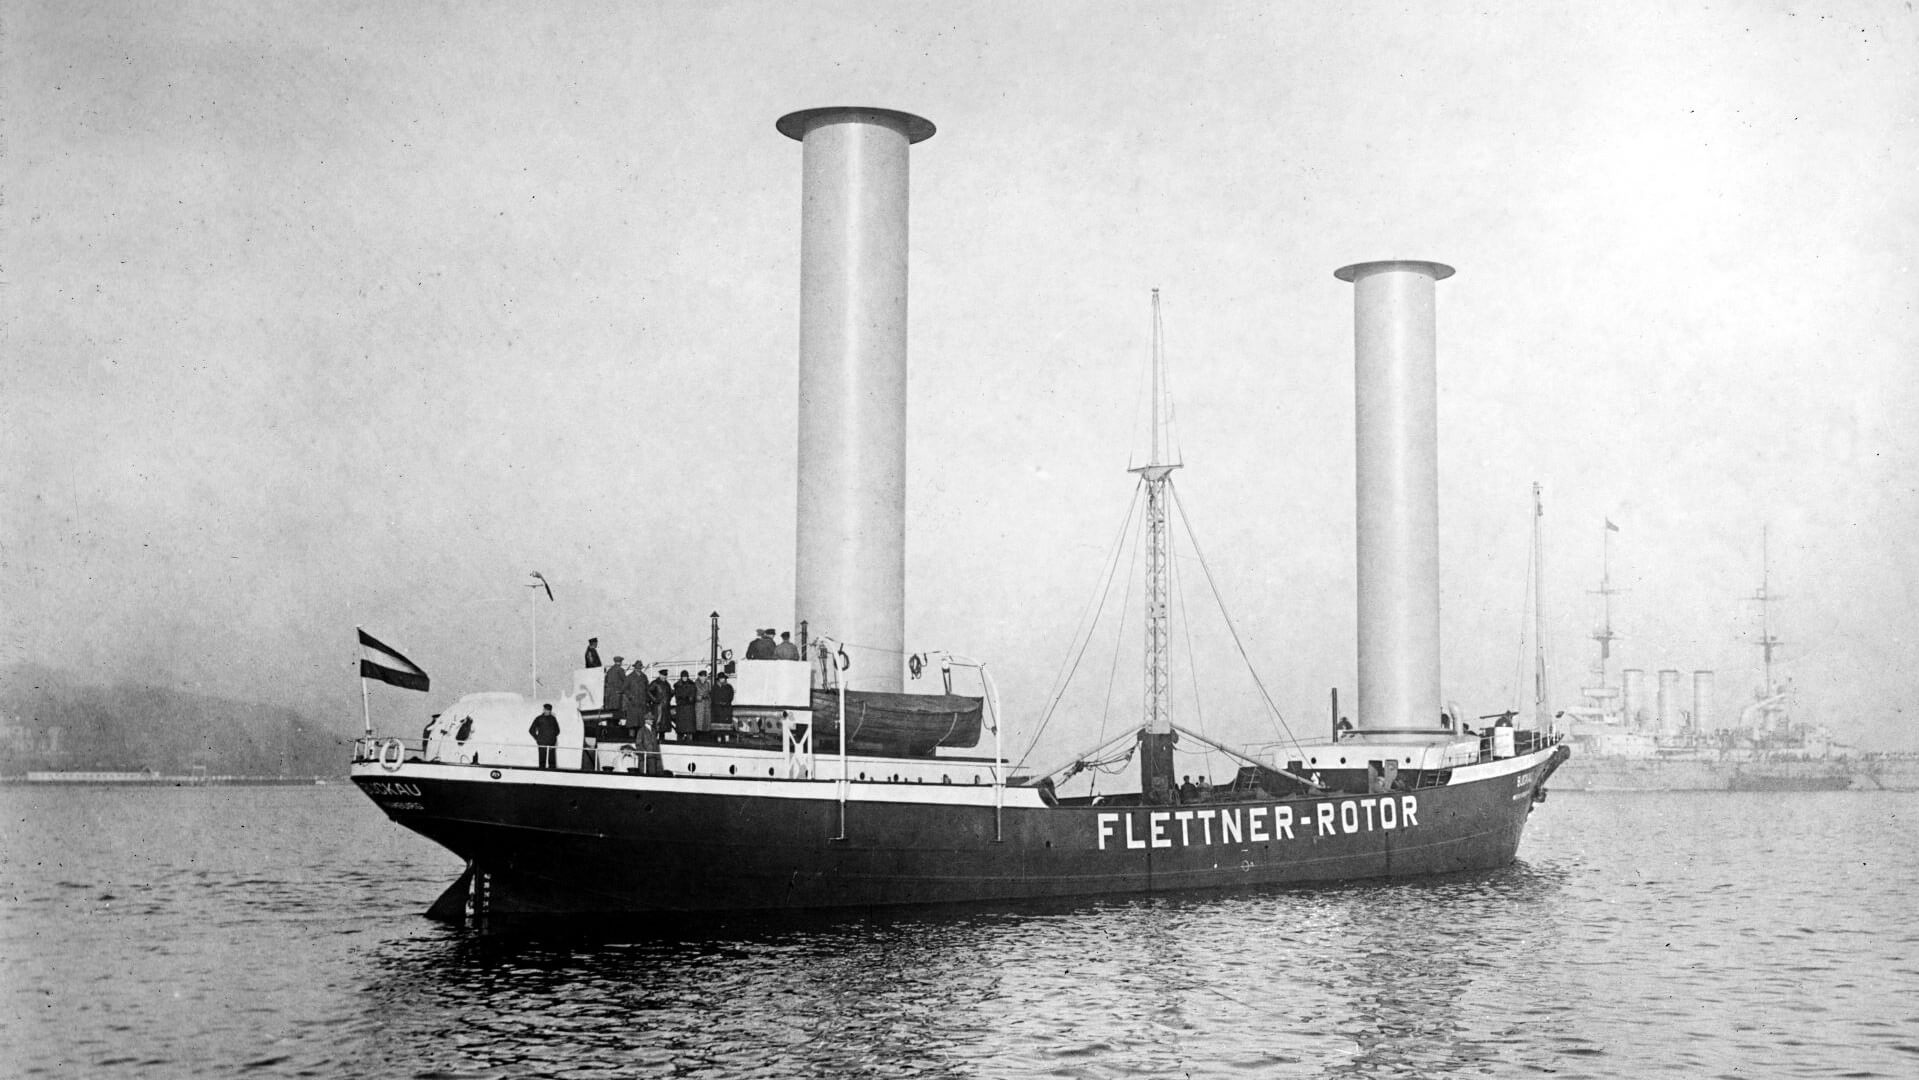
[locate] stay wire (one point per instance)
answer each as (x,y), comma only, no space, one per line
(1084,633)
(1192,661)
(1112,675)
(1186,629)
(1185,520)
(1519,649)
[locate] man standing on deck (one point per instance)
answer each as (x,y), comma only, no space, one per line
(683,694)
(593,652)
(660,692)
(703,710)
(545,730)
(615,685)
(786,650)
(648,744)
(723,704)
(761,647)
(633,698)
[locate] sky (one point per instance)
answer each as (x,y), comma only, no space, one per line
(324,316)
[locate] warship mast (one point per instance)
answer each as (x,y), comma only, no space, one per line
(1605,697)
(1767,643)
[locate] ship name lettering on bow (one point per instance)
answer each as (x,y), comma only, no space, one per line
(1138,830)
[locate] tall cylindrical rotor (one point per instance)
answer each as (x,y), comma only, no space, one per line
(850,569)
(1397,427)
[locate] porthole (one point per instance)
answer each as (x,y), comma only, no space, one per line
(862,775)
(692,766)
(732,770)
(1342,761)
(769,772)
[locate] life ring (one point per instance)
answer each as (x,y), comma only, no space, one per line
(393,763)
(844,660)
(915,664)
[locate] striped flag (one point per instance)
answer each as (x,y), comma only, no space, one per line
(1610,527)
(381,661)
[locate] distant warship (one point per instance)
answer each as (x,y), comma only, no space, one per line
(1623,742)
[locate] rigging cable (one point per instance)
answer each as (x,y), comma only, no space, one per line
(1185,519)
(1192,661)
(1186,628)
(1105,590)
(1519,649)
(1112,675)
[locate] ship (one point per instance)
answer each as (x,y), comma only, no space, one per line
(828,785)
(1626,742)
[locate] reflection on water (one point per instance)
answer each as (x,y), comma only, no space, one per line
(1357,980)
(277,933)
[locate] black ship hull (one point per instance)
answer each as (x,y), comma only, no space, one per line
(558,843)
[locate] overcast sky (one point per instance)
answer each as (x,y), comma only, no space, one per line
(318,316)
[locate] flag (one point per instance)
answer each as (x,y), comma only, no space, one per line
(383,662)
(1610,527)
(543,584)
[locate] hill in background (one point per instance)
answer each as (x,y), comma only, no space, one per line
(53,719)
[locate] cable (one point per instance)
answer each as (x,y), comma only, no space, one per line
(1059,684)
(1112,675)
(1186,521)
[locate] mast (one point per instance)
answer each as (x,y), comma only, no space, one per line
(1156,736)
(1542,694)
(1767,643)
(1603,697)
(1604,635)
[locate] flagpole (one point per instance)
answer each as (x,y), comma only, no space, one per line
(533,617)
(366,706)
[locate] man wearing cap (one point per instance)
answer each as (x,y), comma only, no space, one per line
(703,698)
(615,685)
(761,647)
(786,650)
(684,693)
(633,699)
(660,693)
(723,704)
(545,730)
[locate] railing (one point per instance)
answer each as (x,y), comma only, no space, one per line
(389,752)
(1525,741)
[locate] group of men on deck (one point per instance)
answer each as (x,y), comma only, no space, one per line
(763,647)
(660,705)
(687,707)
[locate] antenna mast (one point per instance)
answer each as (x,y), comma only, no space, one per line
(1603,695)
(1767,643)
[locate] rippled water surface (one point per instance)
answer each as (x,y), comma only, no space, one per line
(277,932)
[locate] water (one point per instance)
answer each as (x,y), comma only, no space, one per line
(276,932)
